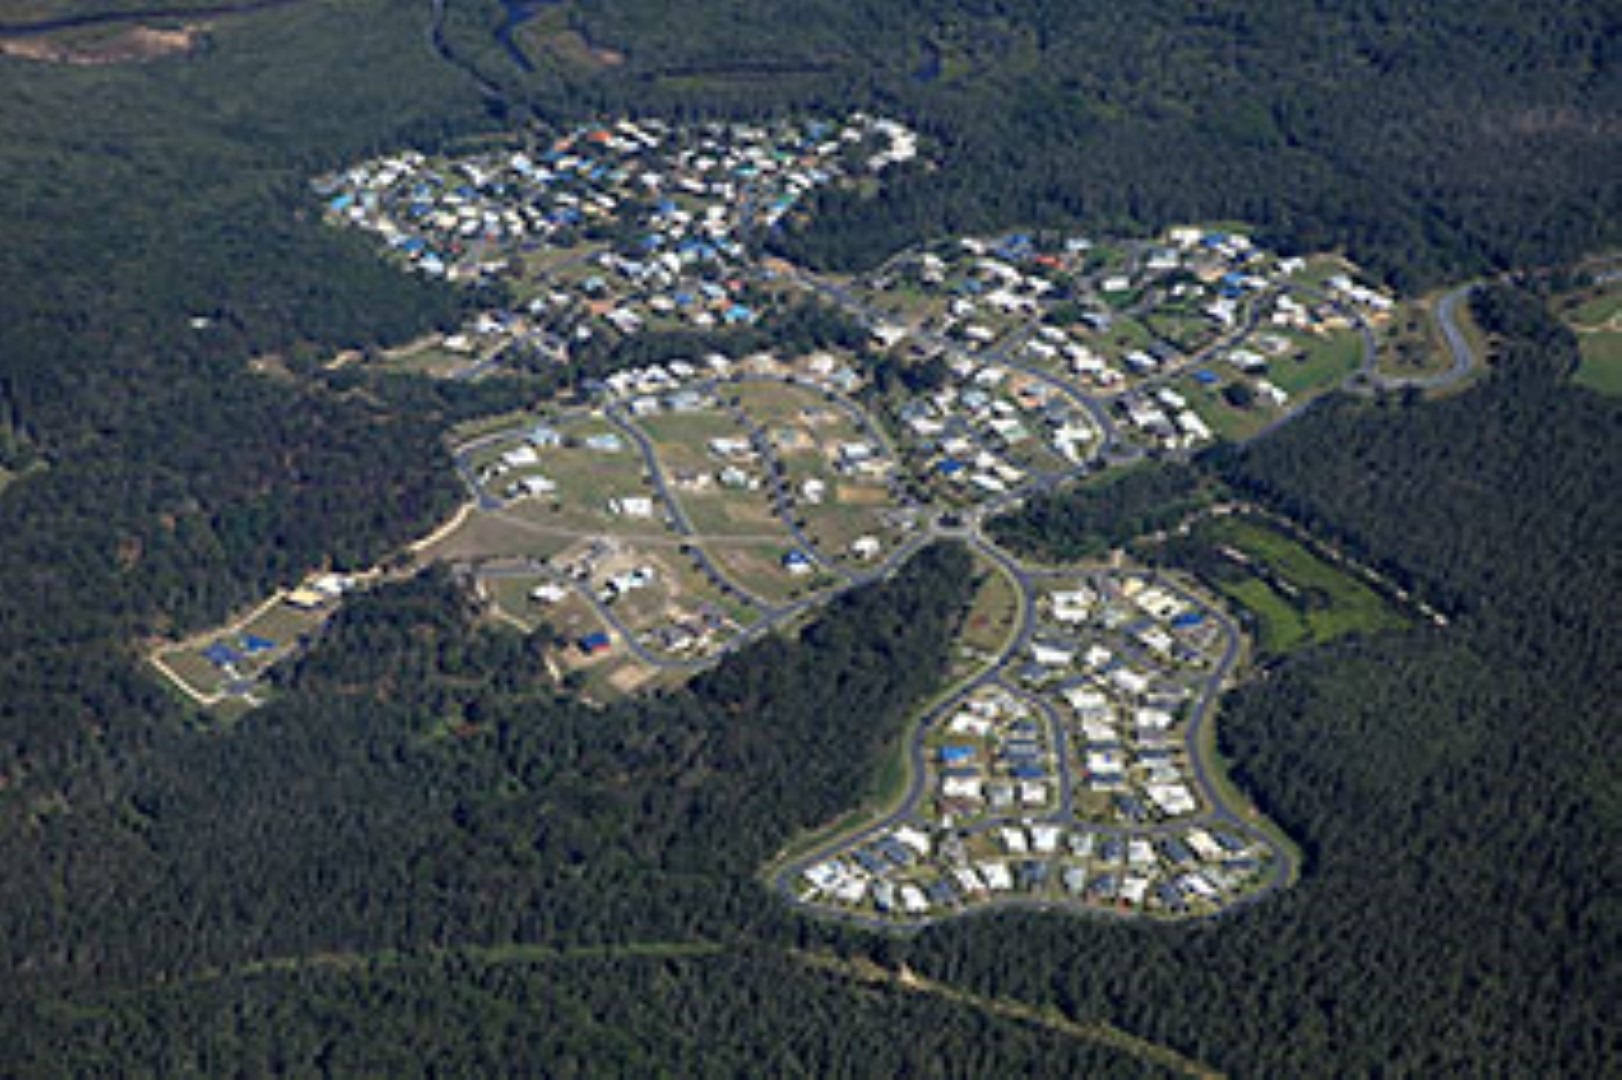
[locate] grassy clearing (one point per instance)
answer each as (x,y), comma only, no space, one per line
(1227,421)
(1189,331)
(280,628)
(510,597)
(770,403)
(188,667)
(548,40)
(1594,313)
(588,481)
(1124,336)
(992,614)
(1296,598)
(758,569)
(487,536)
(833,527)
(739,512)
(1599,311)
(1411,343)
(692,588)
(1317,364)
(433,362)
(1601,367)
(285,625)
(1282,627)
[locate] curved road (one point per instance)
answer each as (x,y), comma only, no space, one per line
(1216,812)
(1462,357)
(1111,447)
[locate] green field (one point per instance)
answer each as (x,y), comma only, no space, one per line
(757,569)
(1124,336)
(510,595)
(1601,367)
(1227,421)
(432,361)
(1600,310)
(1189,330)
(587,481)
(693,588)
(681,442)
(1327,362)
(189,667)
(1594,314)
(1329,604)
(285,626)
(991,616)
(485,535)
(1410,343)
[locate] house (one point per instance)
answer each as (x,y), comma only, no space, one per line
(996,876)
(797,563)
(865,547)
(306,599)
(887,335)
(913,839)
(1072,606)
(221,655)
(595,644)
(548,593)
(637,507)
(534,487)
(1052,656)
(520,457)
(1045,838)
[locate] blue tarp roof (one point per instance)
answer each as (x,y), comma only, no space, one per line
(219,654)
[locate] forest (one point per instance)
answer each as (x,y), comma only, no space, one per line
(420,829)
(420,858)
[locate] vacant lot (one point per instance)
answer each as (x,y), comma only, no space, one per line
(1317,364)
(1296,598)
(1595,314)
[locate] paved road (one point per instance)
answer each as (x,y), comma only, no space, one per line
(967,528)
(1462,358)
(1215,811)
(772,617)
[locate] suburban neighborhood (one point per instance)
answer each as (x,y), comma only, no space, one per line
(653,517)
